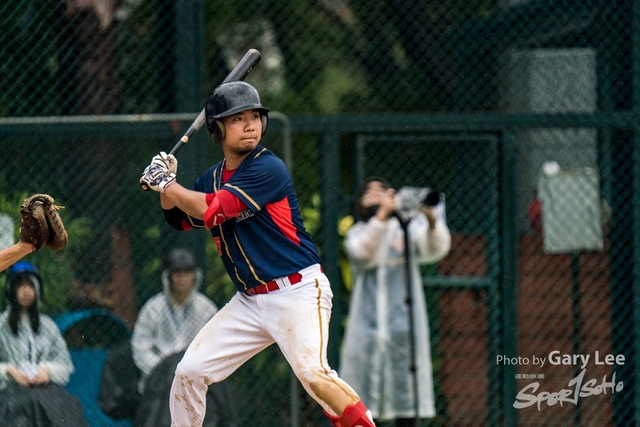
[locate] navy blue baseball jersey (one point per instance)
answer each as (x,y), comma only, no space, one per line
(267,240)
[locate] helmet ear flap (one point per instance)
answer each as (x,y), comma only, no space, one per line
(223,132)
(217,131)
(265,121)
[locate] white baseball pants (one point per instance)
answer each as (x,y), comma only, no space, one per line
(296,317)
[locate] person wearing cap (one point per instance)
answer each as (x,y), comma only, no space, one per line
(248,202)
(169,320)
(33,355)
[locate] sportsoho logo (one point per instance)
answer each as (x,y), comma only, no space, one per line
(578,387)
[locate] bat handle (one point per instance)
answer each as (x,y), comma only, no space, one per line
(173,151)
(179,145)
(197,123)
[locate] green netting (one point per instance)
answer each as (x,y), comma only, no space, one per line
(522,112)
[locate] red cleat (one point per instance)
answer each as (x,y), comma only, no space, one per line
(355,415)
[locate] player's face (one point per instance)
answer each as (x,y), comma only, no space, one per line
(182,280)
(25,294)
(242,131)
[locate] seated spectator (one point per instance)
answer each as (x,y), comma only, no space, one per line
(169,321)
(165,327)
(34,360)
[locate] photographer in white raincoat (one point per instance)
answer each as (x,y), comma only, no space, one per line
(376,354)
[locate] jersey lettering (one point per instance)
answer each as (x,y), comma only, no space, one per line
(244,215)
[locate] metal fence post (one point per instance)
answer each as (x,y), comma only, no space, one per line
(635,57)
(329,241)
(508,282)
(185,80)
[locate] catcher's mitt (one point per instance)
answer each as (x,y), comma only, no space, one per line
(41,224)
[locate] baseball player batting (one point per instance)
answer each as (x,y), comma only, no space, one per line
(248,202)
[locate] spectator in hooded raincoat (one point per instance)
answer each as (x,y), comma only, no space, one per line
(169,321)
(375,356)
(34,359)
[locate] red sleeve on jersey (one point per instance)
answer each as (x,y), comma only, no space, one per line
(185,225)
(281,214)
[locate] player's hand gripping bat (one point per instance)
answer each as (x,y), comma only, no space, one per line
(242,69)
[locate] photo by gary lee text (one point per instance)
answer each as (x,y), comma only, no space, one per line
(557,358)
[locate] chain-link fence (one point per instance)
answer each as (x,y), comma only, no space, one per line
(522,112)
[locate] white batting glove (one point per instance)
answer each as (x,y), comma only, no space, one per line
(157,178)
(166,161)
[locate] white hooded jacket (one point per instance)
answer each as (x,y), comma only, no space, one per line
(163,328)
(376,350)
(31,351)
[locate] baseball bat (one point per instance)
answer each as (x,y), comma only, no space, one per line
(240,72)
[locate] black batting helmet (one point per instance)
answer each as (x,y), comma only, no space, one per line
(228,99)
(179,259)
